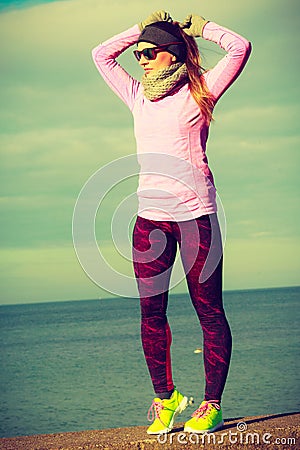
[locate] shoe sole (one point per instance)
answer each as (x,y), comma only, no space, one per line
(211,430)
(180,408)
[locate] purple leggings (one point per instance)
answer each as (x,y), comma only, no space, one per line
(154,252)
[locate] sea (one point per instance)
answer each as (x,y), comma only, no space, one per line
(79,365)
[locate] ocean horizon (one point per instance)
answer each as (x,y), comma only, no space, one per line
(76,365)
(225,291)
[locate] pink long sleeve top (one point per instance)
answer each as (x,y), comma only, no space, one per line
(175,181)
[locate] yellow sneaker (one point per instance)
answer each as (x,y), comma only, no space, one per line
(165,412)
(206,419)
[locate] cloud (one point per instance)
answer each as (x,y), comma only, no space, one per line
(43,274)
(274,119)
(261,261)
(9,5)
(42,174)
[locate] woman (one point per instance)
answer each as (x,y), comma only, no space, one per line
(172,109)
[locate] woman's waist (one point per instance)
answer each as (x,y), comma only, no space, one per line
(175,181)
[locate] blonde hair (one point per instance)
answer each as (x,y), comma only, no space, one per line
(197,85)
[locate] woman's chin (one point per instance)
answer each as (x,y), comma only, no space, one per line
(148,72)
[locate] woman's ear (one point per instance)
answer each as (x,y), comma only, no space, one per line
(173,58)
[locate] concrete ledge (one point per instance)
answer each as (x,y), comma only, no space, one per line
(277,431)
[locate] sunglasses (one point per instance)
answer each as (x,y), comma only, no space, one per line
(151,52)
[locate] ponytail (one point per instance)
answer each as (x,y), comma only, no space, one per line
(197,85)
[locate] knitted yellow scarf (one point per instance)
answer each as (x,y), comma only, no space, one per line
(163,81)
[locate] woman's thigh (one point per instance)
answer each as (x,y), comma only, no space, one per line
(154,251)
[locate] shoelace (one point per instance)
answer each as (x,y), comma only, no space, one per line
(204,409)
(154,410)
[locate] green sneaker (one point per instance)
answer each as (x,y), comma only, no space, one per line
(206,419)
(165,412)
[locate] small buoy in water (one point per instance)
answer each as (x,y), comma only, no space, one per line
(198,350)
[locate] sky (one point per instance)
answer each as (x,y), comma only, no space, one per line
(60,124)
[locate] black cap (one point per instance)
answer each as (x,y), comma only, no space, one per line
(160,33)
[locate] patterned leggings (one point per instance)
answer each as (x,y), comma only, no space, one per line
(154,252)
